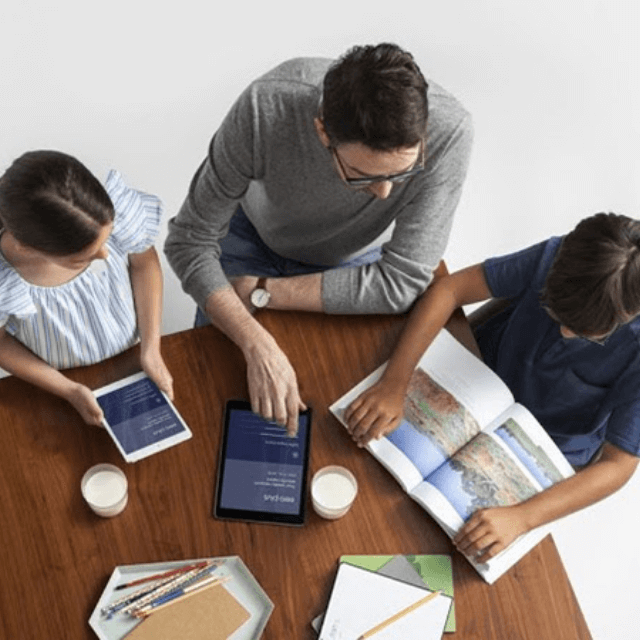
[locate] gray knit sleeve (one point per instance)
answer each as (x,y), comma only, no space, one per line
(419,239)
(193,242)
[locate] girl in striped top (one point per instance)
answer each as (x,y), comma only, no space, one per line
(80,279)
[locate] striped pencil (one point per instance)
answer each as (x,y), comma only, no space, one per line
(161,576)
(169,586)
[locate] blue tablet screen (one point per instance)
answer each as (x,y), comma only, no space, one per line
(139,415)
(263,466)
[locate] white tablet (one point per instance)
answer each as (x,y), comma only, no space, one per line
(140,418)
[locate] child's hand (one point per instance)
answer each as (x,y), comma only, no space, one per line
(85,404)
(153,365)
(489,531)
(374,413)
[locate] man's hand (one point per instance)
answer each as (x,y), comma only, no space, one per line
(375,412)
(85,403)
(489,531)
(273,387)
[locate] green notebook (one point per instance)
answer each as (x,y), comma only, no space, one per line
(432,571)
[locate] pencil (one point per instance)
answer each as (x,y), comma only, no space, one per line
(174,583)
(186,592)
(412,607)
(160,576)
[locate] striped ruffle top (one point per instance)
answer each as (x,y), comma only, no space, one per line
(92,316)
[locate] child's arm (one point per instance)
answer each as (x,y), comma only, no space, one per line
(489,531)
(19,361)
(378,410)
(146,282)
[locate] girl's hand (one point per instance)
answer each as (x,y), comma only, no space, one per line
(85,403)
(489,531)
(374,413)
(153,365)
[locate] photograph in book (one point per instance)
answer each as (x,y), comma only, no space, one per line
(433,413)
(481,475)
(464,444)
(532,456)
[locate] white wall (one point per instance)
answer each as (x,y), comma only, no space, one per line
(554,88)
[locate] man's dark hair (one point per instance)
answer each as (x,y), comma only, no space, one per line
(375,95)
(51,202)
(594,282)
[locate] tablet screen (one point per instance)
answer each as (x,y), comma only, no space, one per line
(263,472)
(140,418)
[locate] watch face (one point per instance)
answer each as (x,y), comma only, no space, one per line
(260,298)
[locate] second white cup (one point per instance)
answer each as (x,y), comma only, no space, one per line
(333,490)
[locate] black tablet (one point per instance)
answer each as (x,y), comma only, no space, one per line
(262,473)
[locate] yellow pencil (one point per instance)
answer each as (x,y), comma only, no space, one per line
(412,607)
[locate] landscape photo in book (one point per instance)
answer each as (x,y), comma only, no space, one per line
(481,475)
(432,412)
(466,465)
(464,444)
(533,457)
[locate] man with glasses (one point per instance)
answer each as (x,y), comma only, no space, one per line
(314,164)
(567,345)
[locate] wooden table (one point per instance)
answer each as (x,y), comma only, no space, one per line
(56,555)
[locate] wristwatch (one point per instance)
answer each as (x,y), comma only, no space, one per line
(260,296)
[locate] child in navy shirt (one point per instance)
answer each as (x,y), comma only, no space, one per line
(567,345)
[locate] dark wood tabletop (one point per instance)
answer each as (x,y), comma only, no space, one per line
(56,555)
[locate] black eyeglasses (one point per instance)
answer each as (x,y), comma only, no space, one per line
(599,340)
(395,178)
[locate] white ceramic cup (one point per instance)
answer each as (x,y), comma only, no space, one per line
(105,489)
(333,490)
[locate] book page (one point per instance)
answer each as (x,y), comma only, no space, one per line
(450,521)
(509,462)
(467,378)
(531,444)
(451,396)
(512,460)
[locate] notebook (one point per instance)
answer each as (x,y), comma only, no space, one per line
(431,571)
(361,599)
(210,614)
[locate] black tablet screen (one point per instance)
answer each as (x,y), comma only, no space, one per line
(263,471)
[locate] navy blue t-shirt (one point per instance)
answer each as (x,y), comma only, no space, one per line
(582,393)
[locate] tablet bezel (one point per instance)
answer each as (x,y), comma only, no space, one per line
(268,517)
(155,447)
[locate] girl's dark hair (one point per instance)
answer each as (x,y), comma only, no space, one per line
(375,95)
(594,282)
(51,202)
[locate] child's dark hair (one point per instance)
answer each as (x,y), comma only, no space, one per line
(51,202)
(375,95)
(594,283)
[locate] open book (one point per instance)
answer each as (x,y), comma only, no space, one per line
(464,444)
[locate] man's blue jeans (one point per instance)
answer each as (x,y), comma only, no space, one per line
(244,253)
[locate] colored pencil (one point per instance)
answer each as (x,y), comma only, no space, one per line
(161,576)
(174,583)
